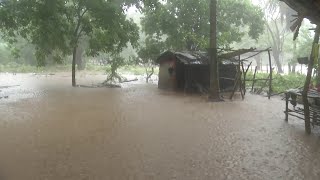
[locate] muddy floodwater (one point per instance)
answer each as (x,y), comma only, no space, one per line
(51,131)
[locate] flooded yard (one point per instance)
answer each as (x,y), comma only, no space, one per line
(51,131)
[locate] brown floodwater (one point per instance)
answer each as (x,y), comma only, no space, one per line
(51,131)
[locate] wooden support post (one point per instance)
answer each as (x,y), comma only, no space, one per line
(249,67)
(242,91)
(264,85)
(270,76)
(314,118)
(287,106)
(244,80)
(245,71)
(238,76)
(245,77)
(238,82)
(254,78)
(240,86)
(243,83)
(308,80)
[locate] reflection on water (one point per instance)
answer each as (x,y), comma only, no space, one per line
(49,130)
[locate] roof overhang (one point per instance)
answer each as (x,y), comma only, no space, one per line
(309,9)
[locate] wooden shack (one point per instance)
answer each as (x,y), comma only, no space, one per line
(190,71)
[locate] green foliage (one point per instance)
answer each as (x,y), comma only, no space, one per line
(95,68)
(304,42)
(55,27)
(149,53)
(14,67)
(5,56)
(280,82)
(135,70)
(20,52)
(185,23)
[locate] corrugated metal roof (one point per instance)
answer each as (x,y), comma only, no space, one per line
(200,57)
(191,58)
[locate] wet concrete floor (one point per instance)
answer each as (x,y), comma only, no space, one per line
(51,131)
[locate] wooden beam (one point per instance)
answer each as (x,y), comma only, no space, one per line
(270,76)
(254,78)
(308,80)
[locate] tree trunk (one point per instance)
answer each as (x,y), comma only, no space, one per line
(79,61)
(277,44)
(214,76)
(276,55)
(149,75)
(294,60)
(294,68)
(74,56)
(289,68)
(258,61)
(307,82)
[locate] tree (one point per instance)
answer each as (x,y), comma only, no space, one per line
(276,41)
(59,26)
(278,21)
(278,17)
(301,47)
(214,73)
(149,53)
(5,56)
(20,52)
(23,52)
(115,61)
(184,24)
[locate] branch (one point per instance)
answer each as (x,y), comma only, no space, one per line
(86,10)
(272,35)
(77,32)
(277,32)
(283,39)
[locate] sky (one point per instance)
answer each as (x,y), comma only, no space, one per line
(255,2)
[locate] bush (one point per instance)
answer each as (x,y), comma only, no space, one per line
(280,83)
(135,70)
(13,67)
(91,67)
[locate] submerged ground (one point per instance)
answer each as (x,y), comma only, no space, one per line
(49,130)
